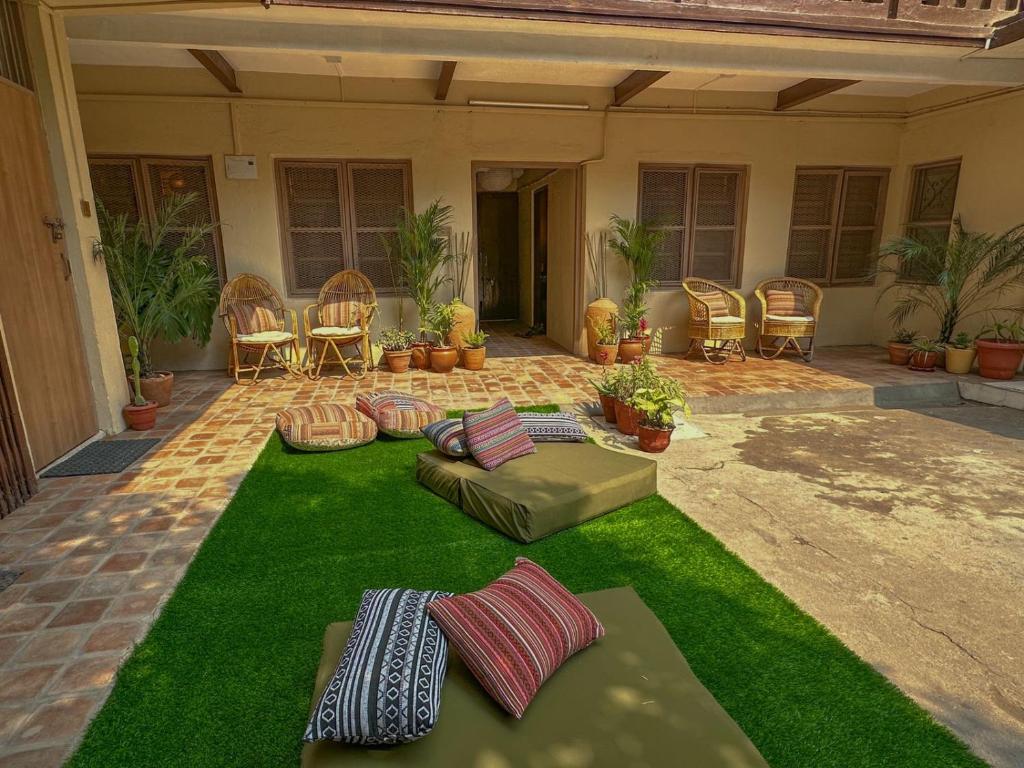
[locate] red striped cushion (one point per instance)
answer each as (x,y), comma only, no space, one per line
(515,632)
(398,414)
(785,303)
(254,317)
(717,305)
(496,435)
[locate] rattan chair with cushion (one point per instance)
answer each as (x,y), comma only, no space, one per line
(790,310)
(343,313)
(254,316)
(718,320)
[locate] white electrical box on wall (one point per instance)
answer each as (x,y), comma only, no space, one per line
(240,166)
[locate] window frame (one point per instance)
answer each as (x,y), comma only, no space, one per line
(841,173)
(693,170)
(909,223)
(343,167)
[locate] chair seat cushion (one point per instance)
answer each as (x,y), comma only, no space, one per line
(559,486)
(790,318)
(325,427)
(399,414)
(630,699)
(333,330)
(265,337)
(727,320)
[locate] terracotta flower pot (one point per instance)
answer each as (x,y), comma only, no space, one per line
(157,387)
(654,440)
(598,311)
(630,349)
(627,418)
(443,359)
(999,359)
(398,360)
(899,354)
(463,322)
(140,417)
(959,360)
(608,407)
(923,361)
(605,354)
(421,355)
(473,358)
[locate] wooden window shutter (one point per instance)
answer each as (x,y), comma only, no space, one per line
(664,204)
(860,224)
(14,59)
(166,178)
(313,220)
(815,204)
(379,193)
(932,206)
(716,222)
(115,186)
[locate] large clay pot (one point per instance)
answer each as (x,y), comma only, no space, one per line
(998,359)
(473,358)
(899,354)
(598,311)
(654,440)
(630,349)
(608,407)
(605,354)
(463,322)
(959,360)
(398,361)
(157,387)
(443,359)
(627,418)
(421,355)
(140,417)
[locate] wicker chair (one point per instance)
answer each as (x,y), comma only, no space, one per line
(790,328)
(254,315)
(718,336)
(343,312)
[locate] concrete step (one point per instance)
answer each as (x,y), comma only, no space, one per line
(916,395)
(1009,394)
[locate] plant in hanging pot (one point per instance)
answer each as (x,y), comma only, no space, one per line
(606,345)
(601,309)
(397,346)
(443,354)
(960,354)
(901,346)
(638,246)
(474,351)
(606,389)
(140,414)
(1001,350)
(162,283)
(924,355)
(659,407)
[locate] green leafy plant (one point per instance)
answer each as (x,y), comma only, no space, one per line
(162,284)
(903,336)
(423,253)
(475,339)
(659,404)
(458,258)
(604,331)
(925,345)
(638,245)
(962,341)
(133,352)
(396,339)
(954,278)
(440,322)
(639,374)
(597,261)
(607,384)
(1008,331)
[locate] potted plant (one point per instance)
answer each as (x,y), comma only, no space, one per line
(901,346)
(605,342)
(658,406)
(140,414)
(458,263)
(924,355)
(960,354)
(443,354)
(638,245)
(636,376)
(606,389)
(423,251)
(474,352)
(1001,351)
(602,309)
(162,284)
(397,346)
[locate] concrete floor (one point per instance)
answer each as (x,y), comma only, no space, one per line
(902,531)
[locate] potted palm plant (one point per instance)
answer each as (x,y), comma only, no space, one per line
(1001,350)
(605,342)
(924,354)
(397,346)
(638,245)
(606,388)
(658,406)
(474,351)
(140,414)
(901,346)
(162,284)
(960,354)
(458,264)
(423,251)
(601,310)
(443,354)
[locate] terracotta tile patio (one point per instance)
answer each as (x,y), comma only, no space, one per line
(99,555)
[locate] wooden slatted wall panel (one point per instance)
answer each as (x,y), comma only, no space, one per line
(17,479)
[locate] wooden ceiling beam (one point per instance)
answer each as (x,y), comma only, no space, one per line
(807,90)
(637,81)
(444,79)
(217,66)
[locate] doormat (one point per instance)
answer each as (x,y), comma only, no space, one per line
(105,457)
(7,578)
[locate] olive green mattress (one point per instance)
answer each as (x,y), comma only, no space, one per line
(559,486)
(630,699)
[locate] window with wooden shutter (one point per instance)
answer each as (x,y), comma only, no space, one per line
(932,205)
(313,220)
(14,61)
(701,210)
(836,224)
(380,192)
(115,185)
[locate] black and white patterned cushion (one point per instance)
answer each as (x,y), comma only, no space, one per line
(553,427)
(387,687)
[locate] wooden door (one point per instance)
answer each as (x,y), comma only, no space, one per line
(497,215)
(540,257)
(37,302)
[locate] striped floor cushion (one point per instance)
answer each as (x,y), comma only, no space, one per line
(553,427)
(325,427)
(387,686)
(399,414)
(496,435)
(516,632)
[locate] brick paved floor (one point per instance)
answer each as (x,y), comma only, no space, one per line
(100,555)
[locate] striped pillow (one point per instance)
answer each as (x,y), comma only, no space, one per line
(254,317)
(387,687)
(325,427)
(399,414)
(717,305)
(514,633)
(553,427)
(496,435)
(785,303)
(448,437)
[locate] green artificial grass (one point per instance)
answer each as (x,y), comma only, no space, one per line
(225,675)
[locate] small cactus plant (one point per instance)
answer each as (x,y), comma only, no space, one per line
(133,350)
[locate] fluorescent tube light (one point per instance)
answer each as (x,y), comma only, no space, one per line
(526,104)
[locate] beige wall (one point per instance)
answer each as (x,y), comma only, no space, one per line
(562,257)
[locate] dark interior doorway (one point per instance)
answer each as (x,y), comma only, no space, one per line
(498,247)
(540,257)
